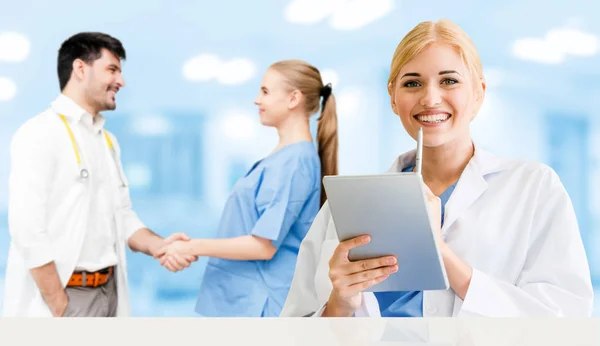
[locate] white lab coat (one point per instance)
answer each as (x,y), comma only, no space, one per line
(48,211)
(512,221)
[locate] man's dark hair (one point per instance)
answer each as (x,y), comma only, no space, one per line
(86,46)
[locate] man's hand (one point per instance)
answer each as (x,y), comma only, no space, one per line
(58,305)
(148,242)
(174,260)
(48,282)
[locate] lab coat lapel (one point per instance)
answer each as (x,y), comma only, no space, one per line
(116,183)
(114,162)
(471,184)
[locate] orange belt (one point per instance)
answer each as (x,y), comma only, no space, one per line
(86,279)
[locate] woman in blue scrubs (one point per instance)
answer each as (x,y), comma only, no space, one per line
(272,207)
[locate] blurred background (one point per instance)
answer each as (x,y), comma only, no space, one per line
(189,129)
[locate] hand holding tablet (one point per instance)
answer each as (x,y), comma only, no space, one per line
(394,210)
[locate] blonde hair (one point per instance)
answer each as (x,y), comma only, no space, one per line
(307,79)
(426,33)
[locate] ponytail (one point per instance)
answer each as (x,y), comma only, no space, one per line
(307,79)
(327,137)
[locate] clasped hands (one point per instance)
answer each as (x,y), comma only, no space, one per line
(171,253)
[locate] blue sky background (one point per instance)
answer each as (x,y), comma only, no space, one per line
(189,129)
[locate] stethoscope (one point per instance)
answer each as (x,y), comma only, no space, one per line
(83,172)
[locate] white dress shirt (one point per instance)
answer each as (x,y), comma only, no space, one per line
(98,249)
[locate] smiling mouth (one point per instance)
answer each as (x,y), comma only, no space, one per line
(433,118)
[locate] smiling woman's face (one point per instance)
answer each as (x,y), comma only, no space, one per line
(436,91)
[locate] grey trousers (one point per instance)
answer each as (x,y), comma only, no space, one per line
(93,301)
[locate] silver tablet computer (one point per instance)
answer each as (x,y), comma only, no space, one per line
(392,209)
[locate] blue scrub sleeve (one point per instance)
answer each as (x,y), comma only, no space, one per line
(280,199)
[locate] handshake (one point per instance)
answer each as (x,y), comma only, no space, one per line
(174,253)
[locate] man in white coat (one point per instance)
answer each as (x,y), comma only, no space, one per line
(70,215)
(507,230)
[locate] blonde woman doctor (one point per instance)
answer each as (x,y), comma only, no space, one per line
(508,232)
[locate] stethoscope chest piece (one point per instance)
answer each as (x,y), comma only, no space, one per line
(83,173)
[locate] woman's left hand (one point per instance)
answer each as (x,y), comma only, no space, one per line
(435,212)
(459,272)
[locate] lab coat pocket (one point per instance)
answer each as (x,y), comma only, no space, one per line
(323,284)
(119,227)
(38,307)
(121,178)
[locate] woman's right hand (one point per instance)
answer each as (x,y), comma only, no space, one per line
(349,279)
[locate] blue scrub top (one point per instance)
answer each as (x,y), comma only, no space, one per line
(278,199)
(407,304)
